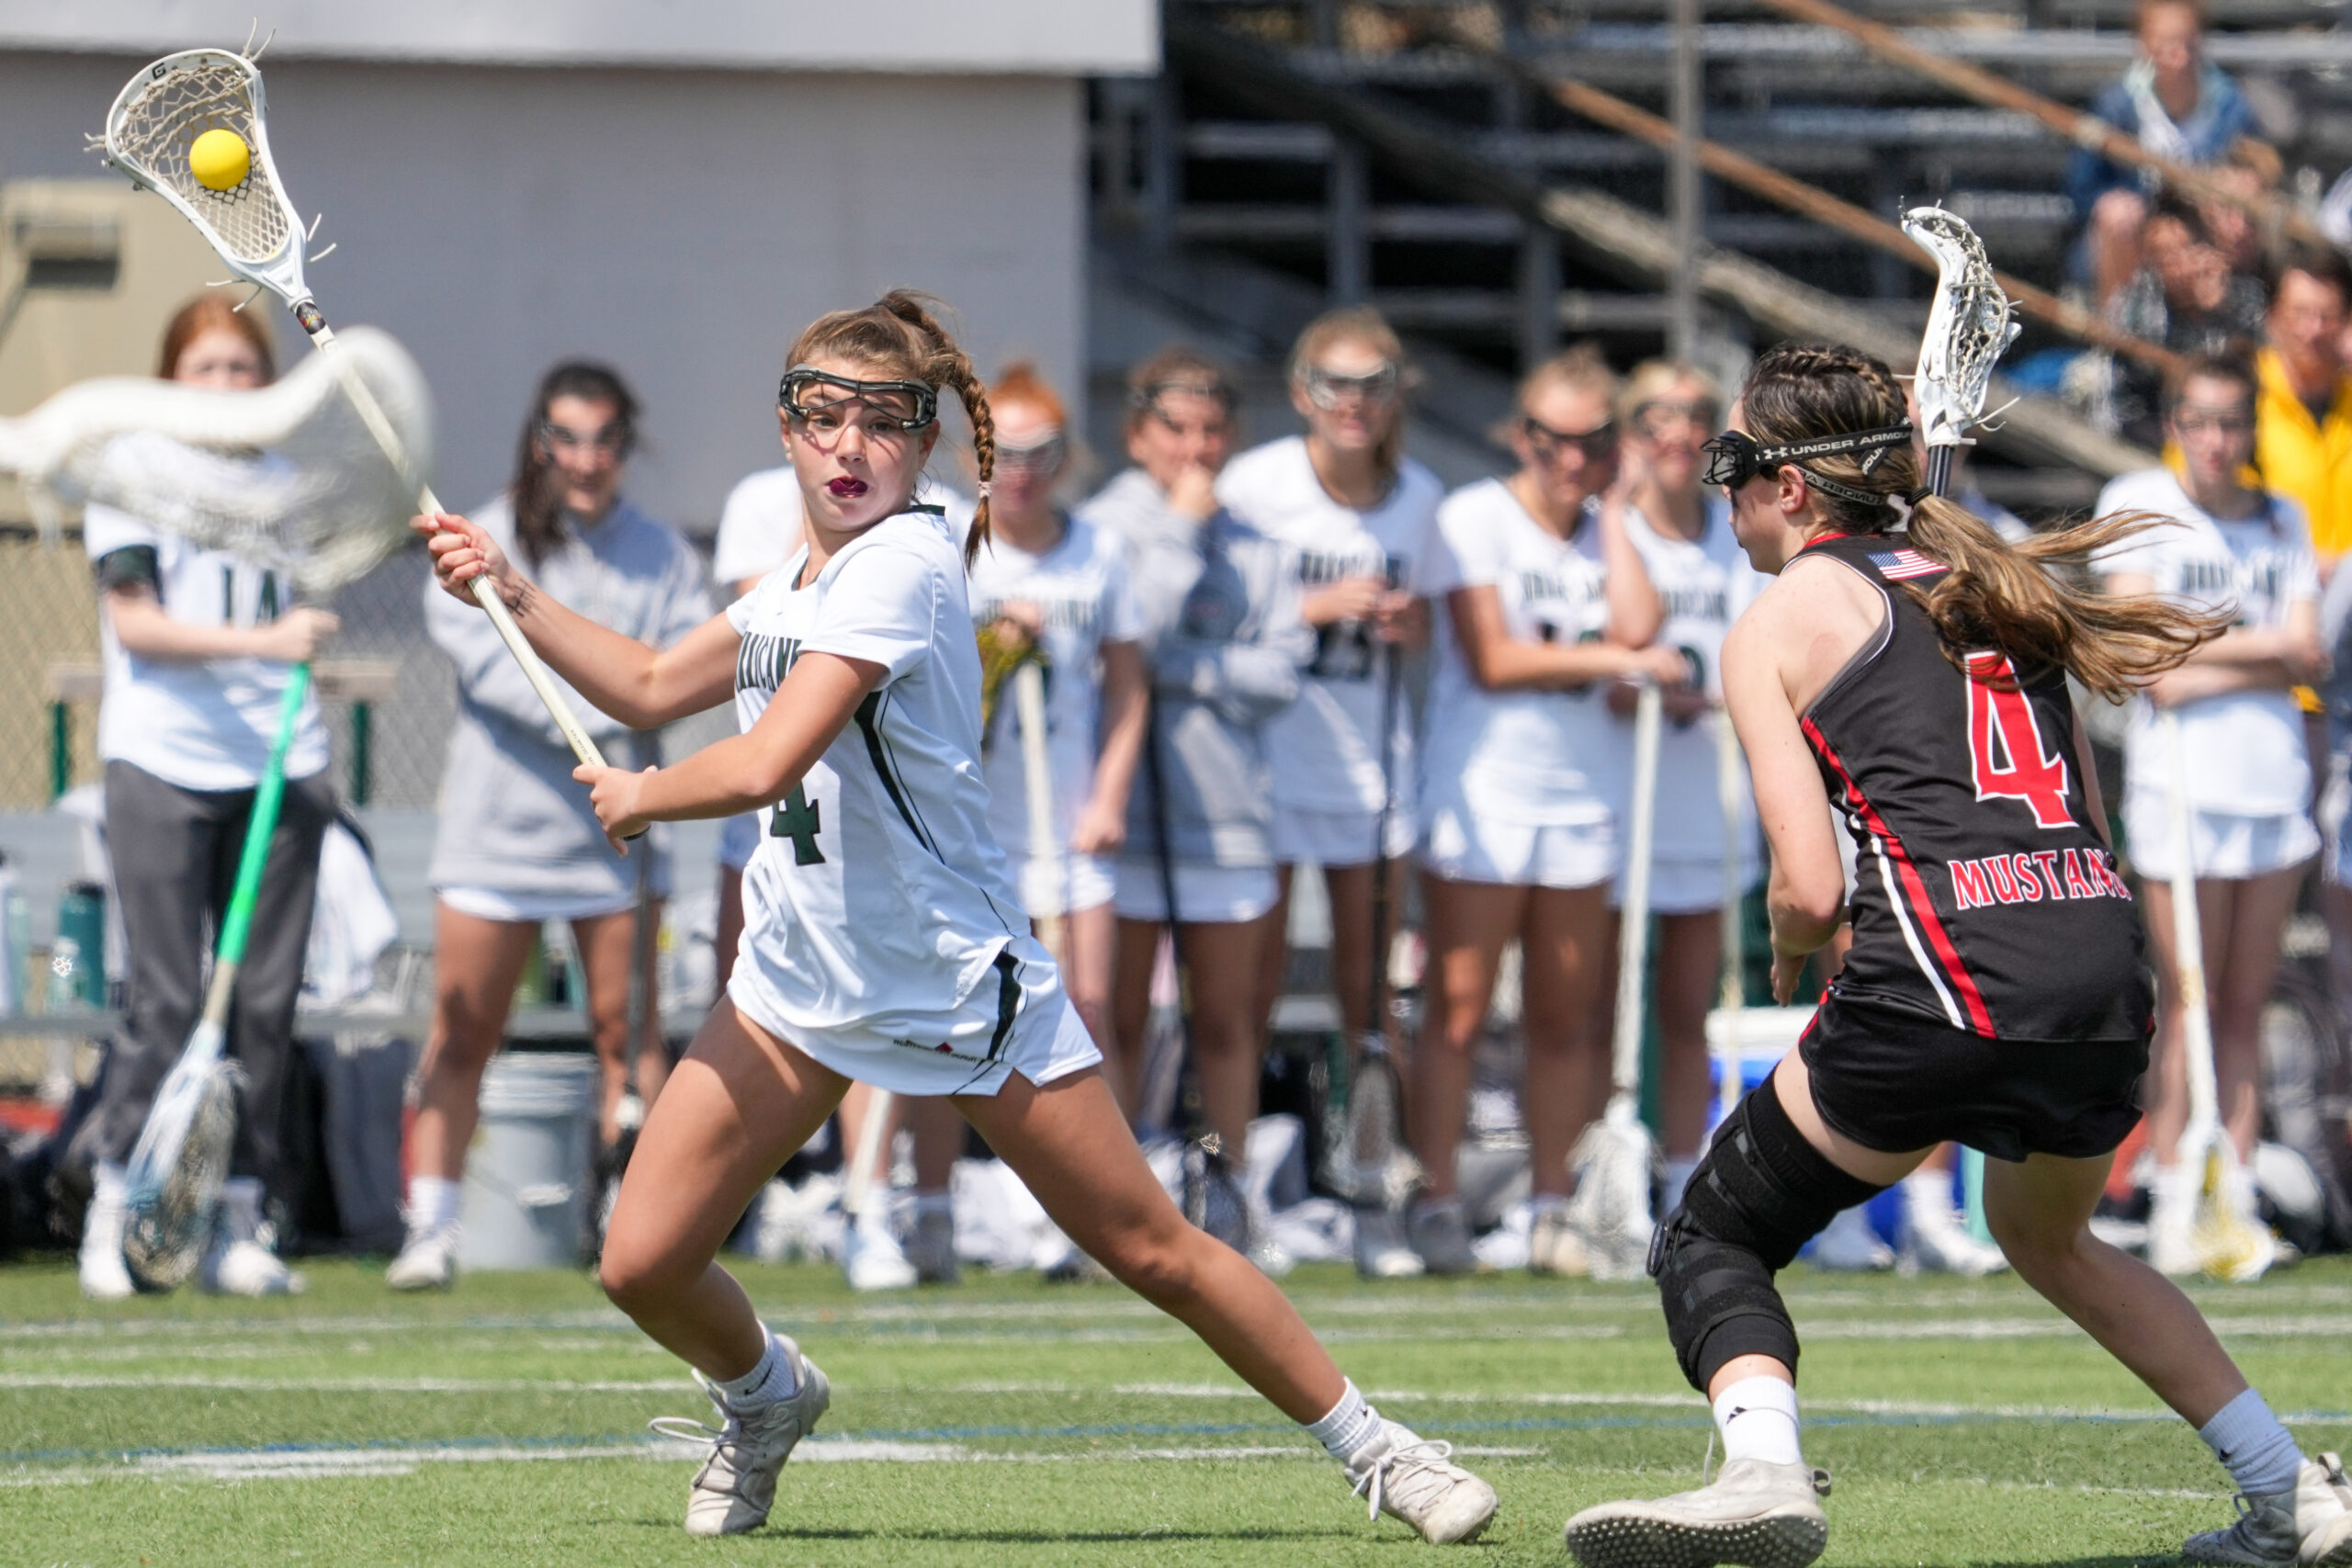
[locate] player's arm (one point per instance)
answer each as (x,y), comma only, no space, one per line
(639,685)
(1125,711)
(746,772)
(2093,801)
(2244,659)
(1635,612)
(1501,663)
(146,629)
(1807,895)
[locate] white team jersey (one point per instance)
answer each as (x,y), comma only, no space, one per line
(1325,749)
(1704,585)
(1081,586)
(208,724)
(2245,749)
(877,892)
(1540,758)
(758,528)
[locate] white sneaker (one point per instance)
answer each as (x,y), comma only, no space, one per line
(1555,1246)
(932,1249)
(1936,1237)
(1415,1479)
(871,1258)
(2311,1523)
(428,1260)
(1848,1245)
(1754,1512)
(105,1276)
(2172,1220)
(241,1261)
(1381,1250)
(735,1488)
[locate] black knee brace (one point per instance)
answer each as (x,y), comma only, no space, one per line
(1759,1195)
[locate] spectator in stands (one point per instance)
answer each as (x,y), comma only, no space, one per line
(2303,420)
(519,844)
(2248,779)
(2174,102)
(198,646)
(2184,297)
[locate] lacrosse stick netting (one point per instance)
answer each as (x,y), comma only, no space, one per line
(1969,326)
(155,121)
(287,476)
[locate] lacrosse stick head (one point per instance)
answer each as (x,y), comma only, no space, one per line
(1969,326)
(156,119)
(178,1173)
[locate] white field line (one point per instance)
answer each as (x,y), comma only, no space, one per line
(72,1380)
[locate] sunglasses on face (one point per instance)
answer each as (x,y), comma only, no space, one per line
(1038,457)
(1330,391)
(1655,419)
(1593,444)
(611,441)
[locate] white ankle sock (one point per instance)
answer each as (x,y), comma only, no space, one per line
(1348,1428)
(2251,1444)
(1758,1420)
(777,1376)
(431,1202)
(109,1183)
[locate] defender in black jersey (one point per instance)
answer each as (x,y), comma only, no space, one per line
(1908,668)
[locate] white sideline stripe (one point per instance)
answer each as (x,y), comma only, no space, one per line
(68,1381)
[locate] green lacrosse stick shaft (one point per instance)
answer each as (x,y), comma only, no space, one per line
(238,925)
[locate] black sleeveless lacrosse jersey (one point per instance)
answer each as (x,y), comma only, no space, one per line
(1983,899)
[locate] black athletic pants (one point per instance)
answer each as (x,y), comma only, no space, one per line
(174,852)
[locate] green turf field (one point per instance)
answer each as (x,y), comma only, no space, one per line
(1011,1422)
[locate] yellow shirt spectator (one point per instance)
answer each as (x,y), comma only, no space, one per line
(2310,459)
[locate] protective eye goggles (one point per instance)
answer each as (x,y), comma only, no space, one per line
(1734,457)
(1599,442)
(613,441)
(792,396)
(1329,391)
(1039,457)
(1145,400)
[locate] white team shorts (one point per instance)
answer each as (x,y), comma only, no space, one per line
(530,909)
(1065,886)
(738,838)
(1686,886)
(1205,895)
(2223,845)
(1304,836)
(1461,847)
(1016,1020)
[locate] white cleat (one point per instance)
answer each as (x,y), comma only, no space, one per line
(871,1258)
(735,1488)
(105,1276)
(1848,1245)
(1555,1246)
(243,1259)
(2312,1524)
(1936,1238)
(1380,1249)
(1755,1513)
(428,1260)
(1415,1479)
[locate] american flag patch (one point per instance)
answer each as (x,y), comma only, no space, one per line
(1897,564)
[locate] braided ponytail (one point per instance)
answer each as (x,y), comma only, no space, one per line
(2031,600)
(899,337)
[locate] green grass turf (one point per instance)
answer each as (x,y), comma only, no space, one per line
(1010,1423)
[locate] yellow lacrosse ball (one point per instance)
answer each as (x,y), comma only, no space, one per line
(219,159)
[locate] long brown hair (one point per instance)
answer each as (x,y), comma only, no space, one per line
(2027,600)
(899,336)
(539,502)
(213,312)
(1360,324)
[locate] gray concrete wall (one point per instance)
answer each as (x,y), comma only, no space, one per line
(681,223)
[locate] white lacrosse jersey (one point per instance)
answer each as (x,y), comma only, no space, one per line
(758,528)
(1079,586)
(878,889)
(209,725)
(1704,585)
(2246,752)
(1324,750)
(1538,758)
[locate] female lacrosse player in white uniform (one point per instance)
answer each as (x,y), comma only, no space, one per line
(517,847)
(2250,782)
(1683,535)
(883,937)
(1357,510)
(197,644)
(1542,604)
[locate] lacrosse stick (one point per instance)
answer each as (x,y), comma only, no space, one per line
(2228,1246)
(322,507)
(252,225)
(1969,326)
(1381,1174)
(856,1190)
(1613,1158)
(1037,780)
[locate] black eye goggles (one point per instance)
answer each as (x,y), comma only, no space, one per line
(791,396)
(1734,457)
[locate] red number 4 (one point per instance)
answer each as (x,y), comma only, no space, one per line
(2004,744)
